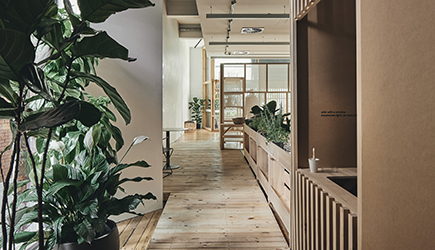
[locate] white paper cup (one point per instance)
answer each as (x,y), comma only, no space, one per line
(314,164)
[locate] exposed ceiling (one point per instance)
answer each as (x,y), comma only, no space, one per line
(272,42)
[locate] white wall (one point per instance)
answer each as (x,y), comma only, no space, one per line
(175,77)
(140,84)
(195,73)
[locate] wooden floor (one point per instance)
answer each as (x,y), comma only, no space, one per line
(215,202)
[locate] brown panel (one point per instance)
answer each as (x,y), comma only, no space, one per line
(398,136)
(327,84)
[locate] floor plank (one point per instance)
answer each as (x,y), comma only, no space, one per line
(214,202)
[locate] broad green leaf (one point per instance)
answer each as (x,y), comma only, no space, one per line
(60,172)
(101,46)
(7,114)
(42,133)
(130,202)
(4,105)
(24,236)
(89,115)
(52,118)
(88,208)
(96,134)
(136,179)
(16,50)
(24,15)
(98,11)
(60,184)
(7,92)
(121,167)
(19,184)
(29,217)
(85,231)
(34,78)
(57,228)
(271,106)
(110,91)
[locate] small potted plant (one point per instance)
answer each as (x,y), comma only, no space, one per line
(197,107)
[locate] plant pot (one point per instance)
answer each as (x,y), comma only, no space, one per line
(198,125)
(109,241)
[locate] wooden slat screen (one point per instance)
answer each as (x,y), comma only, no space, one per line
(322,222)
(302,7)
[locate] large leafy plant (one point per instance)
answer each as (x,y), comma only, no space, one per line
(47,58)
(79,194)
(271,122)
(197,106)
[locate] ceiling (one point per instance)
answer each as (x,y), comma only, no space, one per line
(272,42)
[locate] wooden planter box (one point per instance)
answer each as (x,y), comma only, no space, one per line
(272,167)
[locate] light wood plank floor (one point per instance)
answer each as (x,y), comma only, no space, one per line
(215,202)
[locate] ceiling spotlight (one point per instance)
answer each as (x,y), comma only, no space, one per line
(240,52)
(252,30)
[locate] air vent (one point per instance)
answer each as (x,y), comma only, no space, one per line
(252,30)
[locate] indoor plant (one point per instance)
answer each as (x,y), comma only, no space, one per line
(269,121)
(197,106)
(47,58)
(79,197)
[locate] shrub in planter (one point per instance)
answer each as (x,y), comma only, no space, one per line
(269,121)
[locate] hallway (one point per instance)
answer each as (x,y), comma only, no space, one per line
(215,201)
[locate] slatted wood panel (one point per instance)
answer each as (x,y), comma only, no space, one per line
(323,222)
(215,201)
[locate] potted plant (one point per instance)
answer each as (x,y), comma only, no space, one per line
(80,196)
(197,106)
(269,121)
(47,58)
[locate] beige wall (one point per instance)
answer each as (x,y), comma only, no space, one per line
(140,84)
(327,84)
(397,124)
(176,85)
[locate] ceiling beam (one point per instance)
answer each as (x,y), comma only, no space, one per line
(249,43)
(248,16)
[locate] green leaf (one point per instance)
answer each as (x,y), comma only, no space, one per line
(24,15)
(101,45)
(85,231)
(110,91)
(121,167)
(34,78)
(136,179)
(7,114)
(42,133)
(89,208)
(60,184)
(7,92)
(60,172)
(24,236)
(96,134)
(19,184)
(89,115)
(128,203)
(4,105)
(52,118)
(16,50)
(98,11)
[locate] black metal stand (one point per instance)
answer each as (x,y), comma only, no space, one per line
(168,152)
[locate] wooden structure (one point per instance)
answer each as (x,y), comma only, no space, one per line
(215,201)
(210,92)
(272,168)
(325,214)
(244,85)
